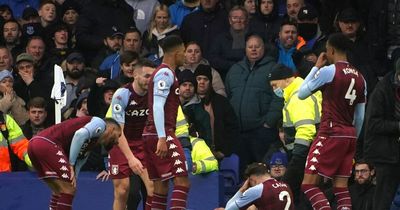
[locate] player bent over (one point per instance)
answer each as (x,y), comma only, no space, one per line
(59,152)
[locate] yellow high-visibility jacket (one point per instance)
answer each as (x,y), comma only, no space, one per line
(18,144)
(201,153)
(300,117)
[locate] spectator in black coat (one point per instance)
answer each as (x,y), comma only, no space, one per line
(100,96)
(382,132)
(228,48)
(205,24)
(362,191)
(96,19)
(223,120)
(267,13)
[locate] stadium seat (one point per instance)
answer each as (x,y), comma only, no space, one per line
(229,170)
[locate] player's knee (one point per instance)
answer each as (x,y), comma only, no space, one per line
(122,191)
(182,181)
(68,190)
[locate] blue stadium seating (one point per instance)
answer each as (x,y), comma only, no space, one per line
(23,191)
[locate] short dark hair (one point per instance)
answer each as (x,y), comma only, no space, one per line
(256,169)
(5,7)
(192,42)
(37,102)
(340,42)
(362,161)
(13,21)
(144,62)
(44,2)
(133,30)
(287,22)
(169,43)
(128,57)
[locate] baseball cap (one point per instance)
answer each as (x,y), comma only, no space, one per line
(278,158)
(307,13)
(5,74)
(24,57)
(348,15)
(279,72)
(75,56)
(114,31)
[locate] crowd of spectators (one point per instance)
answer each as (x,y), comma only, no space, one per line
(231,47)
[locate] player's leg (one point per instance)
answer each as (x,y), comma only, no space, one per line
(160,194)
(66,190)
(316,197)
(340,181)
(180,192)
(342,194)
(55,193)
(149,188)
(121,192)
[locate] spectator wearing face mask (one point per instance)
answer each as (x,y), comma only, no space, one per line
(309,30)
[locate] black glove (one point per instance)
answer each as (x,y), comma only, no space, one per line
(300,150)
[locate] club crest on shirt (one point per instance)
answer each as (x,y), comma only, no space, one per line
(161,85)
(98,130)
(117,108)
(114,169)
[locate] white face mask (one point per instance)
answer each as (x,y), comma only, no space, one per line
(279,92)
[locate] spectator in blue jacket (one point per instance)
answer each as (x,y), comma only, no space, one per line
(180,9)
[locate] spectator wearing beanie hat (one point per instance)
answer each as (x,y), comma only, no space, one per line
(70,11)
(10,103)
(197,117)
(278,165)
(187,85)
(223,121)
(299,127)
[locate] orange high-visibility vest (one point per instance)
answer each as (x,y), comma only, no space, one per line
(18,144)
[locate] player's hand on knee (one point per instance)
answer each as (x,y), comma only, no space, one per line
(136,166)
(103,176)
(162,149)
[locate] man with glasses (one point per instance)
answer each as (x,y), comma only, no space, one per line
(229,47)
(278,165)
(362,191)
